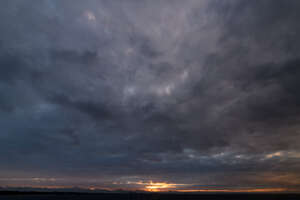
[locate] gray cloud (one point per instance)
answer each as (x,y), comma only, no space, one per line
(188,92)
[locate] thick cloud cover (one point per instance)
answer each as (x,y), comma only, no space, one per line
(108,93)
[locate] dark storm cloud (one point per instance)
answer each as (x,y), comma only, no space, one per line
(190,92)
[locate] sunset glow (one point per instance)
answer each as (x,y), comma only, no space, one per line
(159,186)
(260,190)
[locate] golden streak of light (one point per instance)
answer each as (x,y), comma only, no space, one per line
(164,187)
(160,186)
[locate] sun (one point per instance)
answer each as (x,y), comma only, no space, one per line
(159,186)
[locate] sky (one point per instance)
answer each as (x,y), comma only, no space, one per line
(152,95)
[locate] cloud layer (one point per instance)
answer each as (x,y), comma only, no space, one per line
(194,92)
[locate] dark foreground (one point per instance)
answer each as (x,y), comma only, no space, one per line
(142,196)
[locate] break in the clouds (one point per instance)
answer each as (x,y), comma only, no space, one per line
(115,94)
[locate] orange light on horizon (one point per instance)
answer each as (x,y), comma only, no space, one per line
(173,187)
(156,187)
(185,188)
(160,186)
(236,190)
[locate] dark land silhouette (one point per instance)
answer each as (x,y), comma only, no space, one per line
(12,195)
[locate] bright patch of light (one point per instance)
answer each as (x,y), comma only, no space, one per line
(90,15)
